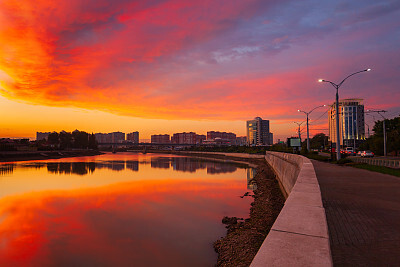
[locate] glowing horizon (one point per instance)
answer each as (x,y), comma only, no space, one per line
(168,66)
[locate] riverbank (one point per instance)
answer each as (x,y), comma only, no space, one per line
(11,156)
(244,238)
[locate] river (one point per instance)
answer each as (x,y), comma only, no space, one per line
(124,209)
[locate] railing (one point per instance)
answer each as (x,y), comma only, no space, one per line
(391,163)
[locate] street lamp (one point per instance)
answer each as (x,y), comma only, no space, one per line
(337,108)
(308,133)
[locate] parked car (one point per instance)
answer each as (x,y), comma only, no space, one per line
(367,153)
(348,151)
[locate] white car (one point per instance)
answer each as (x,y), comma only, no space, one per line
(367,153)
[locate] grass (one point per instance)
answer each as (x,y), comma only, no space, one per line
(365,166)
(317,157)
(380,169)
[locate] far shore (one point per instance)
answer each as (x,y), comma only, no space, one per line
(13,156)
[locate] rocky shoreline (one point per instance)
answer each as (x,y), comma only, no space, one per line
(41,155)
(245,237)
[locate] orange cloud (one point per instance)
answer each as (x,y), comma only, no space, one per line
(208,60)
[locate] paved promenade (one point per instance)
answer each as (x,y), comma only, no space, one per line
(363,215)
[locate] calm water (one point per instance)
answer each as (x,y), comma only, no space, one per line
(122,209)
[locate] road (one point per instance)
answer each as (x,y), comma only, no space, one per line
(363,215)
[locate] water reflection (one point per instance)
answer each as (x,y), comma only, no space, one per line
(6,169)
(132,210)
(80,168)
(182,164)
(251,184)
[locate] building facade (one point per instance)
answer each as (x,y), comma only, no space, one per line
(241,140)
(117,137)
(258,133)
(160,139)
(212,135)
(133,137)
(351,122)
(184,138)
(107,138)
(41,136)
(190,138)
(220,138)
(102,138)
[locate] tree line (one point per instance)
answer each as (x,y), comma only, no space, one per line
(375,141)
(76,139)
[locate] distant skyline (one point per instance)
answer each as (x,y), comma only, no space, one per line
(166,66)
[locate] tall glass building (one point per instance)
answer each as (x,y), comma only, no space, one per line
(351,122)
(258,133)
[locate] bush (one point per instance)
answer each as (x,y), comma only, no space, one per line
(343,161)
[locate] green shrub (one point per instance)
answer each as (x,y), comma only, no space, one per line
(343,161)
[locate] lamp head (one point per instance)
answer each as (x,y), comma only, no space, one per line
(298,110)
(321,80)
(368,70)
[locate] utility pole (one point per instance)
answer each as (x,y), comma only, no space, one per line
(355,132)
(299,132)
(337,86)
(368,129)
(308,132)
(384,128)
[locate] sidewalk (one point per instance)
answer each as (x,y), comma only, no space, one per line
(363,215)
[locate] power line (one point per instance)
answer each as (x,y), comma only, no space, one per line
(321,116)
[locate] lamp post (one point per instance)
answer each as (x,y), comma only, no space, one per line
(337,108)
(368,128)
(308,132)
(355,133)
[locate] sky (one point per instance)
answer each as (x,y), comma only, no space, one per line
(165,66)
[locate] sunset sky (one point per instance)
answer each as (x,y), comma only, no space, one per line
(165,66)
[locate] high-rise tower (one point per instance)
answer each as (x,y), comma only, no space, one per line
(258,132)
(351,121)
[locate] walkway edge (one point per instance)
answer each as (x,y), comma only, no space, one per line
(299,236)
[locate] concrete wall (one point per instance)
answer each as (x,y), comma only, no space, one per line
(299,236)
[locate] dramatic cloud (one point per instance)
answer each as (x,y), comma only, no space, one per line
(176,59)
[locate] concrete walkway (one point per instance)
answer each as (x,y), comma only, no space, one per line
(363,215)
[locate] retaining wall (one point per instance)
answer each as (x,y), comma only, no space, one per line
(299,236)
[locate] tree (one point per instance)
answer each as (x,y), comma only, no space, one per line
(65,140)
(92,141)
(53,138)
(80,139)
(375,142)
(319,141)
